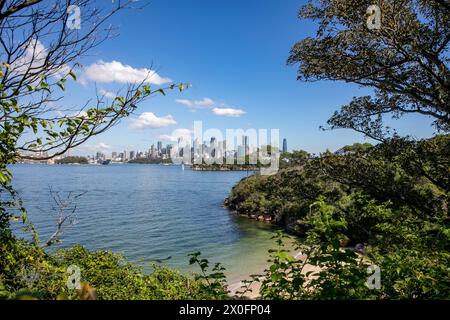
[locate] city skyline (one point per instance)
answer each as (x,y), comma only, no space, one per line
(266,94)
(205,148)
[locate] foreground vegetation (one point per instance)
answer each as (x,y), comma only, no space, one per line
(390,201)
(28,272)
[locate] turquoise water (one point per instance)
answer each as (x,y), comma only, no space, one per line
(148,212)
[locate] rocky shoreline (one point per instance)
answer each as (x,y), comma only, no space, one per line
(259,217)
(197,167)
(288,225)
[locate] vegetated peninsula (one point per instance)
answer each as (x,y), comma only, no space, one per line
(72,160)
(150,161)
(390,205)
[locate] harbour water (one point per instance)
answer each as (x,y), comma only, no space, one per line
(148,213)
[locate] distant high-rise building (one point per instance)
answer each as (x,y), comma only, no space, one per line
(196,147)
(241,152)
(159,146)
(99,156)
(285,145)
(245,145)
(151,152)
(114,155)
(132,155)
(169,149)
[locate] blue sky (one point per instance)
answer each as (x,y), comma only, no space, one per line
(233,52)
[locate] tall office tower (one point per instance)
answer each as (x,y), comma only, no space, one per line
(169,149)
(241,152)
(284,145)
(205,149)
(223,146)
(151,151)
(245,145)
(125,155)
(132,153)
(159,146)
(113,155)
(196,147)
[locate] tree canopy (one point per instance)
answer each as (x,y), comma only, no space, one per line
(405,61)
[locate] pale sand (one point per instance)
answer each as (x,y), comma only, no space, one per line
(254,294)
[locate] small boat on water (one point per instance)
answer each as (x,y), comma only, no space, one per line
(105,162)
(182,166)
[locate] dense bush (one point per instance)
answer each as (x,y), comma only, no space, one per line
(30,273)
(391,199)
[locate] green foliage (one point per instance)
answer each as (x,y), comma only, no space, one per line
(404,62)
(114,278)
(357,147)
(294,158)
(214,282)
(150,161)
(30,273)
(381,198)
(325,271)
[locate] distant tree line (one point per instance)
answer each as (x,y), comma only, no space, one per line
(72,159)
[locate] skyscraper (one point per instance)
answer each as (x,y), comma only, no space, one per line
(159,146)
(151,151)
(169,150)
(284,145)
(245,145)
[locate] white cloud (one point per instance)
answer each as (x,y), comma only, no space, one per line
(150,120)
(34,59)
(186,134)
(197,104)
(107,94)
(228,112)
(104,146)
(205,102)
(185,102)
(220,109)
(115,71)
